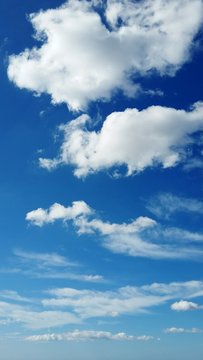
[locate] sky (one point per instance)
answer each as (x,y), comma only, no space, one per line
(101,193)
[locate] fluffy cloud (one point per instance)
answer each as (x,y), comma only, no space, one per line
(86,335)
(142,237)
(174,330)
(83,59)
(184,305)
(40,216)
(123,137)
(126,300)
(165,204)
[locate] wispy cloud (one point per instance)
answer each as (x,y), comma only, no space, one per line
(43,259)
(192,164)
(34,319)
(127,300)
(142,237)
(64,306)
(13,295)
(166,204)
(175,330)
(48,266)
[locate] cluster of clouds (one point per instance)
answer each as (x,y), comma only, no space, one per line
(86,335)
(126,300)
(64,306)
(142,237)
(82,58)
(88,51)
(122,140)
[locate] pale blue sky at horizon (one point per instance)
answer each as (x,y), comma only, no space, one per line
(101,193)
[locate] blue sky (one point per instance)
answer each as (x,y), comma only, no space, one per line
(101,179)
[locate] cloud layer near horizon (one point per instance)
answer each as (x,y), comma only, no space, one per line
(87,335)
(82,59)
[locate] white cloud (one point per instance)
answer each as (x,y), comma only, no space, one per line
(122,140)
(43,259)
(13,295)
(86,335)
(126,300)
(82,60)
(174,330)
(184,305)
(40,216)
(182,235)
(68,276)
(106,228)
(48,266)
(142,237)
(64,306)
(35,319)
(165,204)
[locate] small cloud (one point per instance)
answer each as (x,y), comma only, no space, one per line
(184,305)
(175,330)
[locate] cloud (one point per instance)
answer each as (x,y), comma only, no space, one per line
(40,216)
(47,266)
(194,163)
(86,335)
(64,306)
(184,305)
(13,295)
(174,330)
(81,58)
(126,300)
(182,235)
(122,140)
(142,237)
(166,204)
(35,319)
(43,259)
(106,228)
